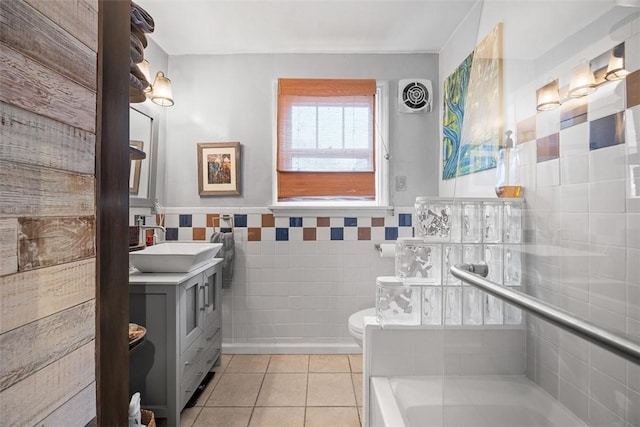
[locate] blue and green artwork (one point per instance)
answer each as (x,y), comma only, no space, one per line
(472,113)
(455,94)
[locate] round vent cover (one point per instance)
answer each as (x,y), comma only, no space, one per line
(415,95)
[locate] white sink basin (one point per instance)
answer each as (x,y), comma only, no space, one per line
(173,257)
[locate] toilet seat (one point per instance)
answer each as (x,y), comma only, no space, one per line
(356,320)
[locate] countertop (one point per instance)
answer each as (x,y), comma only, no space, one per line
(138,278)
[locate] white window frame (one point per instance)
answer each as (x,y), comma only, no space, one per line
(379,206)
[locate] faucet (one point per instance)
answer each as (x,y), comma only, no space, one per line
(143,227)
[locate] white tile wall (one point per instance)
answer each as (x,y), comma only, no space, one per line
(608,99)
(596,274)
(574,140)
(574,169)
(608,163)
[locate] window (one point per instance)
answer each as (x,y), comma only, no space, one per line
(327,140)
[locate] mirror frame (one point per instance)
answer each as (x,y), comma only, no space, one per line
(150,200)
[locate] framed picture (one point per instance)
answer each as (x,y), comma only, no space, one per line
(218,168)
(472,93)
(134,169)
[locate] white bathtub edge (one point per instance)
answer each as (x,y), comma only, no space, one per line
(389,412)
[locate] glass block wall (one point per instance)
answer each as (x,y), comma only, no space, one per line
(448,232)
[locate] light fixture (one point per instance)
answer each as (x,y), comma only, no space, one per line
(586,77)
(582,82)
(161,94)
(548,96)
(144,68)
(615,68)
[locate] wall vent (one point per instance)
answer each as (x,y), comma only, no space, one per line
(415,96)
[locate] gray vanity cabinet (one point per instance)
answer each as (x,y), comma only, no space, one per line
(183,316)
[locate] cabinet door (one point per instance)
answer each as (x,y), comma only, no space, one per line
(212,279)
(191,310)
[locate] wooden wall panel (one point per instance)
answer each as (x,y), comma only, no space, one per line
(34,398)
(78,17)
(52,46)
(8,247)
(48,120)
(32,347)
(81,408)
(50,241)
(34,87)
(32,191)
(37,140)
(45,291)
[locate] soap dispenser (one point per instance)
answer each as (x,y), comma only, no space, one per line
(508,182)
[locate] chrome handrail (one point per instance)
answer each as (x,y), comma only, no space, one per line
(604,338)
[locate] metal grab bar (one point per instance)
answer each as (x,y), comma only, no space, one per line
(606,339)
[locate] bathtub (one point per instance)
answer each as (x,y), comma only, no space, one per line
(478,401)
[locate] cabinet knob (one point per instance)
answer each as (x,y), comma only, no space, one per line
(187,363)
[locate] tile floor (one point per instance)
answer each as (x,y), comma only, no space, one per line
(286,390)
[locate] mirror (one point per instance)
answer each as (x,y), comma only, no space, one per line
(143,135)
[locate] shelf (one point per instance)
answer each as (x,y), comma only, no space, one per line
(135,154)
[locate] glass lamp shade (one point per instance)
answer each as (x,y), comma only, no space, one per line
(548,97)
(615,69)
(144,67)
(583,82)
(161,94)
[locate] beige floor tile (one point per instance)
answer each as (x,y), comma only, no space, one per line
(188,416)
(357,387)
(329,363)
(206,393)
(277,417)
(247,363)
(283,390)
(227,417)
(236,390)
(224,361)
(289,363)
(361,415)
(330,390)
(355,360)
(332,417)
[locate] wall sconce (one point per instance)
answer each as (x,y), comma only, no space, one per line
(548,96)
(144,67)
(615,69)
(161,93)
(582,82)
(583,79)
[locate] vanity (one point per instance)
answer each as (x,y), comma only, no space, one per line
(182,313)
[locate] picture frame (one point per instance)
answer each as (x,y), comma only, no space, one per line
(134,168)
(218,168)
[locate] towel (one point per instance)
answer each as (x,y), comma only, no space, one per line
(141,19)
(139,35)
(136,83)
(136,50)
(136,90)
(227,253)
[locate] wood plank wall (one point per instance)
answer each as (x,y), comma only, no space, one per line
(48,92)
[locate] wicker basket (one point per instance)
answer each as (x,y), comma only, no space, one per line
(147,418)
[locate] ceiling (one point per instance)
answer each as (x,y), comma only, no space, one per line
(304,26)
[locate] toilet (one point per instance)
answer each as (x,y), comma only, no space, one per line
(356,323)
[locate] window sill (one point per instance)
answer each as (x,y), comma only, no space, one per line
(329,209)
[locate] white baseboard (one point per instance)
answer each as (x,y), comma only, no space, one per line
(301,348)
